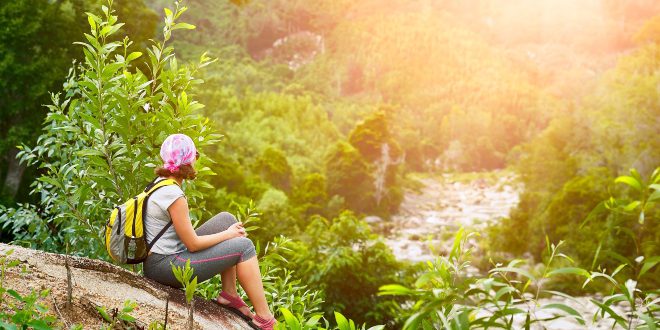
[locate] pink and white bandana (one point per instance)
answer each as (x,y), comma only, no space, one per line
(177,150)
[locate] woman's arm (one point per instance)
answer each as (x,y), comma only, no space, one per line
(193,242)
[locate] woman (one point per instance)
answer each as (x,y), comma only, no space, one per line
(219,246)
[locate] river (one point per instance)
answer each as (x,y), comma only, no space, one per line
(430,215)
(439,205)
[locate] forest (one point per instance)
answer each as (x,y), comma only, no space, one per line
(426,164)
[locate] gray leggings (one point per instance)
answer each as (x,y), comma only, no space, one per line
(206,263)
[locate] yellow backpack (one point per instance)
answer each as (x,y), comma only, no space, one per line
(125,231)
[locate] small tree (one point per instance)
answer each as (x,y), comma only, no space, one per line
(185,276)
(101,138)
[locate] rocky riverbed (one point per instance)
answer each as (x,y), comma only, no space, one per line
(429,217)
(432,212)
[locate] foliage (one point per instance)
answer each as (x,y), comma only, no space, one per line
(122,319)
(22,311)
(375,143)
(344,259)
(28,228)
(305,140)
(445,296)
(118,318)
(593,144)
(274,168)
(348,176)
(108,126)
(189,285)
(283,288)
(292,322)
(633,219)
(369,135)
(184,276)
(638,293)
(36,47)
(310,195)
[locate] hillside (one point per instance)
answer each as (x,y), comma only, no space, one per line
(100,284)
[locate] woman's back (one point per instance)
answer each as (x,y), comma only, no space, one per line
(158,217)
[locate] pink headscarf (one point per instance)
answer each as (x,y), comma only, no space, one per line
(177,150)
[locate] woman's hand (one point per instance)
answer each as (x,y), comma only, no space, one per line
(236,230)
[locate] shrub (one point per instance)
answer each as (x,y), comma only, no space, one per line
(101,138)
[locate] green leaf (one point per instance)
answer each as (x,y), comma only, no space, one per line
(15,295)
(185,26)
(569,310)
(631,206)
(91,22)
(606,309)
(619,297)
(190,289)
(463,320)
(129,306)
(394,290)
(649,320)
(505,290)
(8,326)
(111,29)
(513,270)
(291,321)
(569,270)
(596,211)
(648,264)
(312,321)
(133,56)
(655,177)
(618,269)
(654,196)
(560,294)
(126,317)
(630,181)
(342,322)
(104,314)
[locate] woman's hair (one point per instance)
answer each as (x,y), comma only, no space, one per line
(185,171)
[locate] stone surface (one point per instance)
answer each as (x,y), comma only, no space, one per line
(428,219)
(425,227)
(98,283)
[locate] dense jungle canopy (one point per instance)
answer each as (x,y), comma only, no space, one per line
(312,116)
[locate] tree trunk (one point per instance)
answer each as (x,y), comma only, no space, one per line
(14,176)
(191,311)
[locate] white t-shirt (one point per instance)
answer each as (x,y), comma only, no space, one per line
(158,217)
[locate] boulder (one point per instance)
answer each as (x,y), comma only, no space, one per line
(97,283)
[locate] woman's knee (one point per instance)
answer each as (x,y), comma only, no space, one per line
(228,217)
(246,247)
(225,219)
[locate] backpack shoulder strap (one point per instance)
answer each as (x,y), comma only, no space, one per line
(153,186)
(157,185)
(160,233)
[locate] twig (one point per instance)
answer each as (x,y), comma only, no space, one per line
(69,289)
(167,308)
(191,310)
(66,323)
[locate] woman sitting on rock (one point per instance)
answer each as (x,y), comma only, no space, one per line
(219,246)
